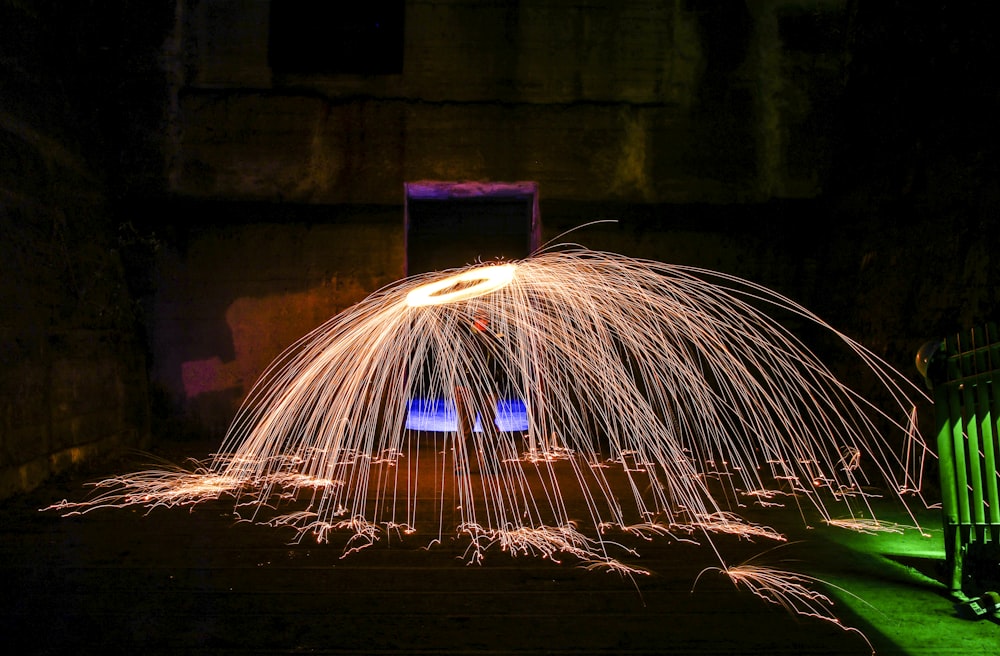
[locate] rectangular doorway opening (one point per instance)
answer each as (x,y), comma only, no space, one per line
(452,224)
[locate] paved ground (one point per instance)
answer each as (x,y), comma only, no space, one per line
(180,582)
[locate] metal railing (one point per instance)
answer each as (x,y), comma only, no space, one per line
(964,373)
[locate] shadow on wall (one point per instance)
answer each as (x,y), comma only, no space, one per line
(211,389)
(232,297)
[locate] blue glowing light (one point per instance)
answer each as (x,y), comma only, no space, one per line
(438,416)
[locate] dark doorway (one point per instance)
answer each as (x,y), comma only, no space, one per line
(451,224)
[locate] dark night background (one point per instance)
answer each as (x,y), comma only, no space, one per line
(189,186)
(186,187)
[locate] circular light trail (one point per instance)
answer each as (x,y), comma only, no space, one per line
(484,280)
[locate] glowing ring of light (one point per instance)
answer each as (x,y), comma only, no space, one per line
(488,279)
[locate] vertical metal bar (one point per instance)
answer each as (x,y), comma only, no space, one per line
(946,454)
(957,446)
(969,399)
(946,402)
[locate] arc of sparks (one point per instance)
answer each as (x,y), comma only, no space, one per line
(654,393)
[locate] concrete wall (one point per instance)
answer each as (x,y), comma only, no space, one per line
(72,357)
(772,139)
(793,142)
(609,106)
(639,101)
(233,294)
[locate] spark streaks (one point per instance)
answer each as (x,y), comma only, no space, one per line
(656,396)
(792,591)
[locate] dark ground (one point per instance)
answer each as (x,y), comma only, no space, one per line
(175,581)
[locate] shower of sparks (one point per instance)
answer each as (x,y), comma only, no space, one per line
(792,591)
(155,488)
(656,397)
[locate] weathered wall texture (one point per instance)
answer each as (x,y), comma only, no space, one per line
(233,296)
(787,141)
(72,361)
(641,101)
(155,165)
(607,105)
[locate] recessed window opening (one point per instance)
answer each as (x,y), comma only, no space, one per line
(452,224)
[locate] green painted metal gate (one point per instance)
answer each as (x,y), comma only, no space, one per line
(964,374)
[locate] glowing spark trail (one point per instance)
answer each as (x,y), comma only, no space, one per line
(450,290)
(792,591)
(653,394)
